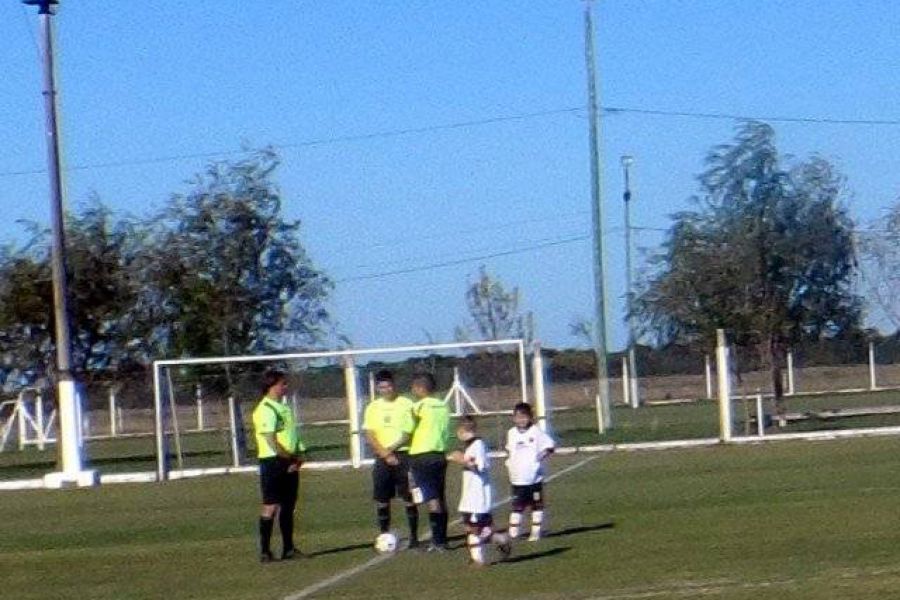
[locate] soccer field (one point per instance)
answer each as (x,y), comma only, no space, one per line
(783,520)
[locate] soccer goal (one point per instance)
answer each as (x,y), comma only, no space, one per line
(202,406)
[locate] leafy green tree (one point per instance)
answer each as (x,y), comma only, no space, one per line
(494,312)
(229,274)
(880,249)
(101,295)
(767,254)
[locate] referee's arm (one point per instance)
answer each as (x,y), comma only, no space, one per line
(275,445)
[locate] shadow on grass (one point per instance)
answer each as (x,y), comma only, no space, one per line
(538,555)
(338,550)
(581,529)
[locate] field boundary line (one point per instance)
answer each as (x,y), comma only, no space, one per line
(348,573)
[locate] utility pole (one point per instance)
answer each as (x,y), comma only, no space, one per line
(70,444)
(604,406)
(627,162)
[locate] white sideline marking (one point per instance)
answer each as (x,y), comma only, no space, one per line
(339,577)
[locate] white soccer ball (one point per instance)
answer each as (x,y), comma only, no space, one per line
(386,542)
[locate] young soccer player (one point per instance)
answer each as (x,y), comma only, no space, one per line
(527,446)
(388,423)
(475,498)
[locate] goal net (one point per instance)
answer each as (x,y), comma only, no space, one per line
(203,406)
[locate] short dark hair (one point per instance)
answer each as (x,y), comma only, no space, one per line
(271,377)
(426,380)
(524,408)
(384,375)
(468,423)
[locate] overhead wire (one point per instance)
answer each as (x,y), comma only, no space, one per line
(609,110)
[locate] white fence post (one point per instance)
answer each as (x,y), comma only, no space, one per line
(39,421)
(708,370)
(351,385)
(790,373)
(232,420)
(760,416)
(540,392)
(724,379)
(200,420)
(22,416)
(113,424)
(873,384)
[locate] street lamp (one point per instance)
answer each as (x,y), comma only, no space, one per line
(67,399)
(627,162)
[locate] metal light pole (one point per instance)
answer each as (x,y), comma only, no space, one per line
(67,399)
(604,406)
(627,162)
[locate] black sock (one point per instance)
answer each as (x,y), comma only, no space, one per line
(443,520)
(412,517)
(265,535)
(286,524)
(434,521)
(384,518)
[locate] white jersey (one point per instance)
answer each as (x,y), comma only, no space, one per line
(524,447)
(476,479)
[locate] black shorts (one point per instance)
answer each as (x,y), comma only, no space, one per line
(389,481)
(429,474)
(277,485)
(477,521)
(527,496)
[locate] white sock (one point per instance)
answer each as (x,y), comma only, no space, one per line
(475,549)
(515,519)
(537,519)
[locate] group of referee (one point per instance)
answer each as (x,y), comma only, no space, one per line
(409,437)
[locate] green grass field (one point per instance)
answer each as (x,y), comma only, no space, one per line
(792,520)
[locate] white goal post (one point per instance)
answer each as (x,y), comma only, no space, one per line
(355,389)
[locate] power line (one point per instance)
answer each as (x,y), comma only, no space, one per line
(738,117)
(462,261)
(308,143)
(390,133)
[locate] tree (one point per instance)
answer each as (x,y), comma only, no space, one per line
(101,295)
(880,249)
(494,311)
(767,254)
(230,274)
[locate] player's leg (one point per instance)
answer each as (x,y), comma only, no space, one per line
(498,538)
(290,483)
(444,516)
(537,512)
(428,473)
(382,492)
(403,488)
(269,491)
(474,539)
(519,503)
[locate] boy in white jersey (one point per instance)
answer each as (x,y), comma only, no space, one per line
(527,446)
(475,498)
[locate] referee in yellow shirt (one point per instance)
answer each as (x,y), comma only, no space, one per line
(388,423)
(280,452)
(428,456)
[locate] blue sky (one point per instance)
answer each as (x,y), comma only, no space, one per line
(152,80)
